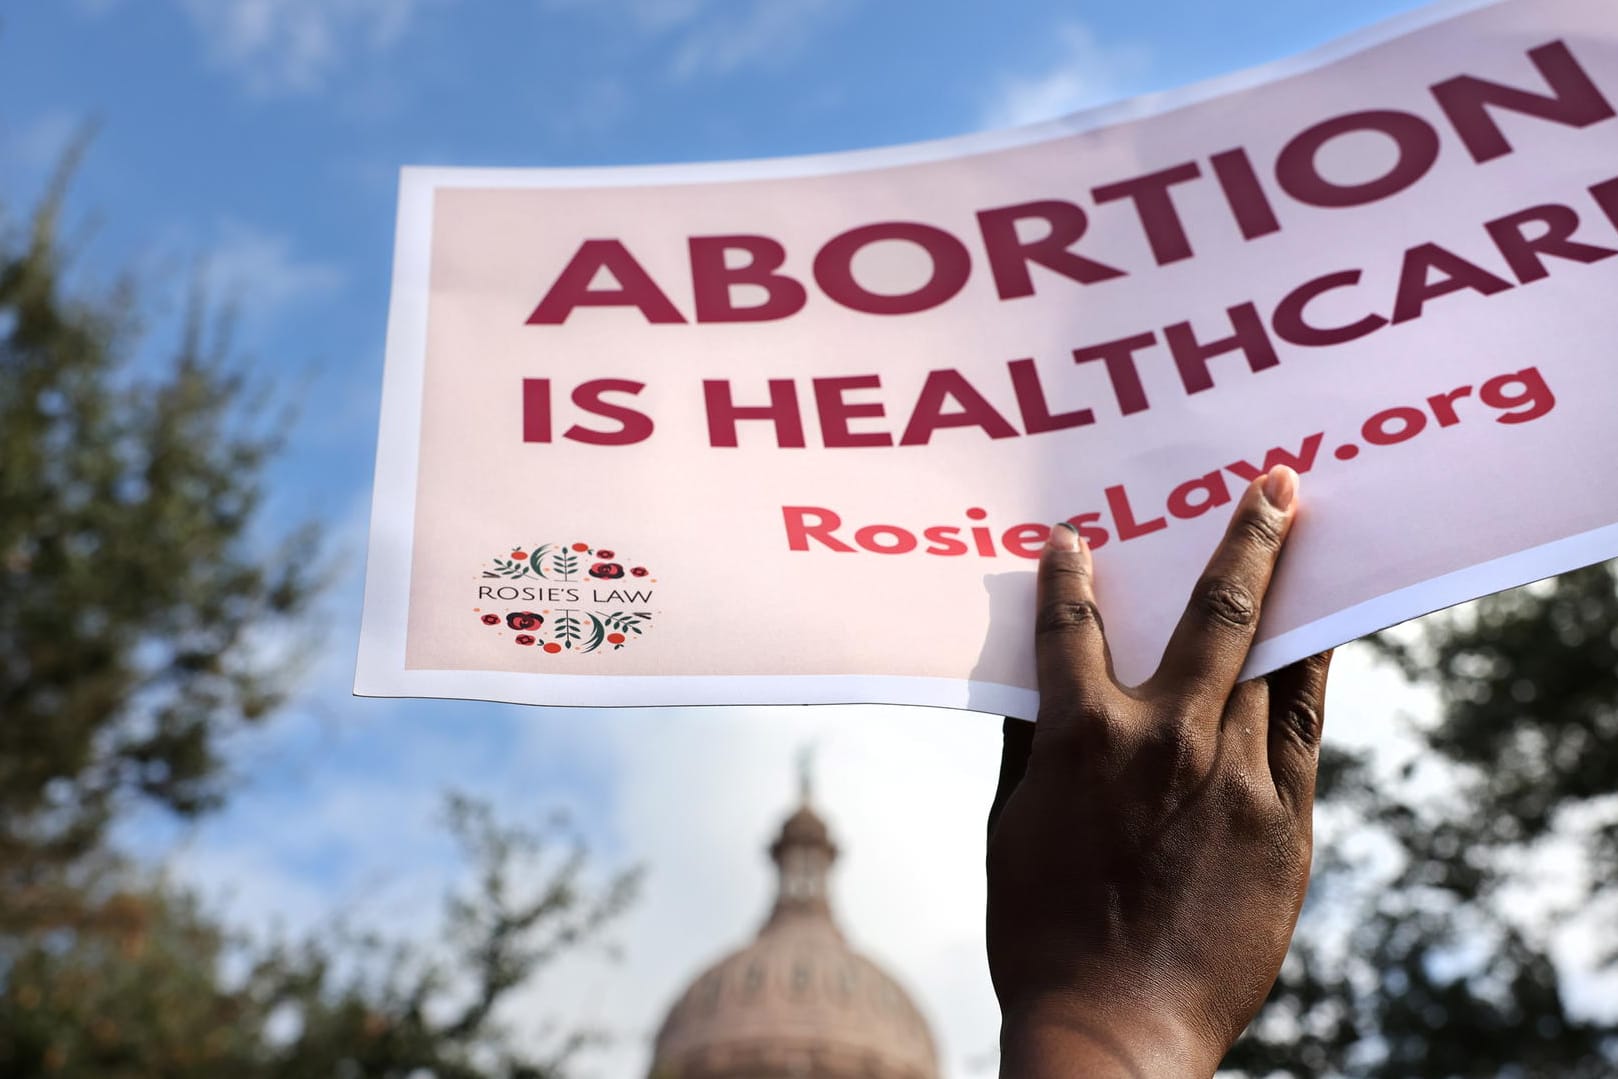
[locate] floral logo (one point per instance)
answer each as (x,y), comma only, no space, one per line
(565,597)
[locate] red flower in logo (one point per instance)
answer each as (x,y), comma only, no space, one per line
(603,554)
(581,546)
(519,555)
(491,620)
(607,571)
(523,638)
(640,571)
(524,620)
(615,638)
(552,647)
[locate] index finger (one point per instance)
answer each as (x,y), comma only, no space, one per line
(1211,641)
(1069,646)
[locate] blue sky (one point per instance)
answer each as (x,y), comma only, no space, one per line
(260,140)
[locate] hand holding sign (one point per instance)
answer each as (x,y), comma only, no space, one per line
(1147,868)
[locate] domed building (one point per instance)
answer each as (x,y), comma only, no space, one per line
(798,1002)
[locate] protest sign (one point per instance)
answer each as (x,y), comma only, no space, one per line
(793,431)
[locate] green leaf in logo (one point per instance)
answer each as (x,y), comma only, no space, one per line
(598,633)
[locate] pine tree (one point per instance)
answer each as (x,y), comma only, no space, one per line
(137,588)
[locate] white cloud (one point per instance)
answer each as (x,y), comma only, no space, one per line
(740,35)
(701,794)
(1087,73)
(712,38)
(645,16)
(282,46)
(258,273)
(598,106)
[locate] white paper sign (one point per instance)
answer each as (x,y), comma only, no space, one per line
(794,431)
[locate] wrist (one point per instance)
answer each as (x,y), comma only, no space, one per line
(1058,1039)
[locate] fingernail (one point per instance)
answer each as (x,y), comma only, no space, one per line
(1064,537)
(1281,487)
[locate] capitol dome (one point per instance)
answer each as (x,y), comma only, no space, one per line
(797,1003)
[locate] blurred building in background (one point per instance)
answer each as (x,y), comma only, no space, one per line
(798,1002)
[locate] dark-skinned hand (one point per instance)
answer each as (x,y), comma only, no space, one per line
(1149,847)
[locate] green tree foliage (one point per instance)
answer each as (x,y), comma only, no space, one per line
(125,986)
(134,605)
(143,620)
(132,986)
(1426,948)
